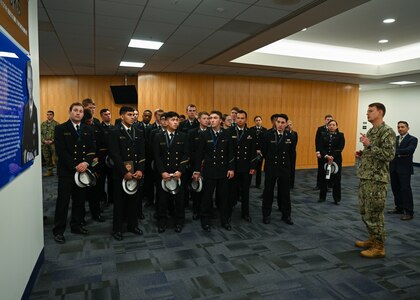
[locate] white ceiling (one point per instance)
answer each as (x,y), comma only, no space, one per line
(90,37)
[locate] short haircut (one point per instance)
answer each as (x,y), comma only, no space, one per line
(147,110)
(75,104)
(171,114)
(273,117)
(159,110)
(163,116)
(182,116)
(284,116)
(50,112)
(216,112)
(379,106)
(257,117)
(235,108)
(135,109)
(125,109)
(87,101)
(403,122)
(103,110)
(241,111)
(190,105)
(87,114)
(202,113)
(328,116)
(332,121)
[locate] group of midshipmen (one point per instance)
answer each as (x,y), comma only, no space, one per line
(220,157)
(209,159)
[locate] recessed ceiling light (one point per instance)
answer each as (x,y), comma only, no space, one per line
(388,21)
(304,29)
(145,44)
(403,82)
(383,41)
(131,64)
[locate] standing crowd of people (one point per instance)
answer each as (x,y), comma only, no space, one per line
(209,159)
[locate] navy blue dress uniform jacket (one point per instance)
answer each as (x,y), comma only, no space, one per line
(277,153)
(403,161)
(185,126)
(245,151)
(170,156)
(215,155)
(73,149)
(332,147)
(259,135)
(123,148)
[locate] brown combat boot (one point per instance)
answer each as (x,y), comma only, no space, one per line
(376,251)
(365,244)
(48,173)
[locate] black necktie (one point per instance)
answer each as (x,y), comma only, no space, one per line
(78,130)
(279,137)
(129,132)
(171,136)
(240,132)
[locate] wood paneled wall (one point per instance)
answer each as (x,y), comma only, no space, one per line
(305,102)
(58,92)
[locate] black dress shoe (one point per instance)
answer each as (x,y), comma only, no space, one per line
(288,220)
(141,216)
(80,230)
(83,223)
(227,226)
(161,229)
(117,236)
(321,200)
(195,217)
(59,238)
(99,219)
(395,211)
(135,230)
(266,220)
(336,202)
(316,188)
(178,228)
(406,217)
(247,218)
(206,228)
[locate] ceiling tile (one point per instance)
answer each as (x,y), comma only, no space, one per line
(288,5)
(175,5)
(203,21)
(262,15)
(213,8)
(116,9)
(79,6)
(154,31)
(164,16)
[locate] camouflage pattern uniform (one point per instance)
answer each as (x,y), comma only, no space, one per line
(373,172)
(48,150)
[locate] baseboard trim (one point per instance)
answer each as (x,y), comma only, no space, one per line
(34,275)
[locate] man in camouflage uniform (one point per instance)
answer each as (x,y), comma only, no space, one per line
(48,146)
(373,171)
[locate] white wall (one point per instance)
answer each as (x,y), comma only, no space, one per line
(402,104)
(21,228)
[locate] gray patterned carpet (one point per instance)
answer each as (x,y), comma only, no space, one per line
(313,259)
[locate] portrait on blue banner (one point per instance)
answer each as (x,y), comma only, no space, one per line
(18,114)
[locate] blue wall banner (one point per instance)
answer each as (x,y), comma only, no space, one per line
(18,114)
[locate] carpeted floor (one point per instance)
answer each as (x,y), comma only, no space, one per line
(313,259)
